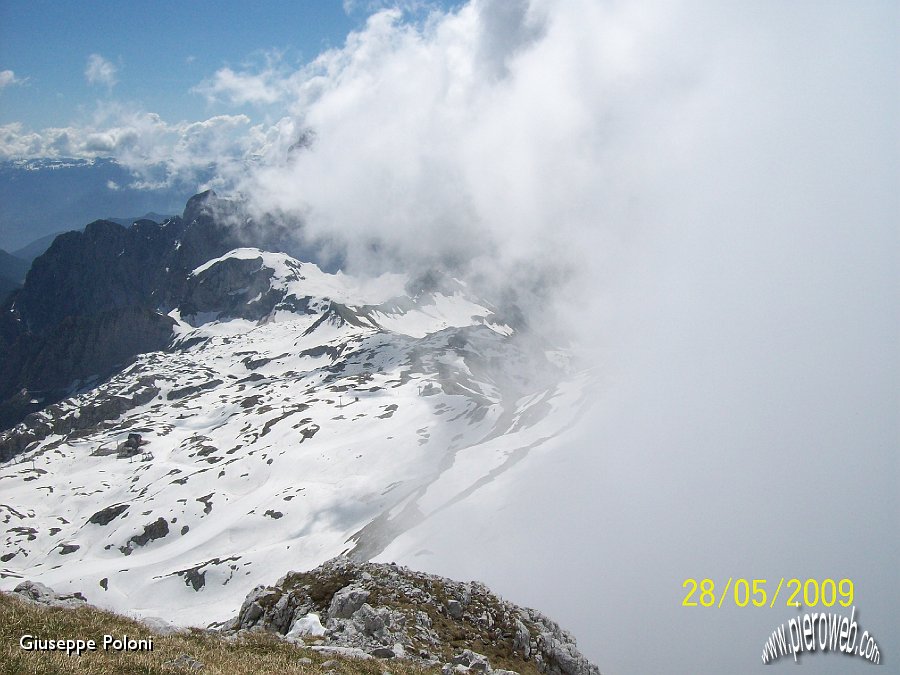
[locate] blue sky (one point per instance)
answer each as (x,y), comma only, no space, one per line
(156,52)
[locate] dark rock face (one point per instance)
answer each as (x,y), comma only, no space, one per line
(226,289)
(79,347)
(107,515)
(212,227)
(158,529)
(97,298)
(241,288)
(102,269)
(375,609)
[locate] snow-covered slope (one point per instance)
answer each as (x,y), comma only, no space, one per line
(297,415)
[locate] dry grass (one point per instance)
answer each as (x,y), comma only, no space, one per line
(256,653)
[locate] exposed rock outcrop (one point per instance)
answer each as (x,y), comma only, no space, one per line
(111,402)
(388,611)
(158,529)
(376,611)
(39,593)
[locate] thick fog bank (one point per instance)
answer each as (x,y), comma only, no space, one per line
(737,292)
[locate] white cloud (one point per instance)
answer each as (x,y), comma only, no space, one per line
(157,152)
(8,78)
(540,130)
(265,80)
(16,142)
(241,87)
(482,125)
(100,71)
(704,194)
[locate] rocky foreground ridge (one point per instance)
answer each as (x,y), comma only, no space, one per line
(362,611)
(389,611)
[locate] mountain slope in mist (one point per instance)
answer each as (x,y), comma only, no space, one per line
(295,416)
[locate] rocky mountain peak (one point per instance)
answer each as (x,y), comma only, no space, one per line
(94,282)
(199,205)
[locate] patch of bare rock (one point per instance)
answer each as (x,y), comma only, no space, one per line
(371,610)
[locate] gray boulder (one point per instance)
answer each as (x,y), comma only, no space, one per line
(43,595)
(472,661)
(346,602)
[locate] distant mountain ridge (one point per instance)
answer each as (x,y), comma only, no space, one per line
(14,266)
(12,273)
(129,221)
(39,197)
(35,248)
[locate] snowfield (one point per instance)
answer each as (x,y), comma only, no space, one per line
(339,420)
